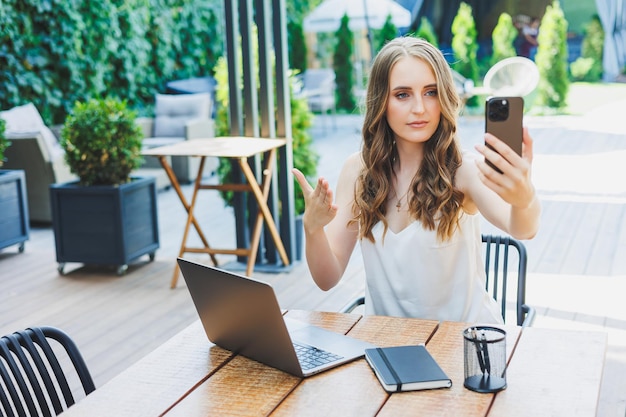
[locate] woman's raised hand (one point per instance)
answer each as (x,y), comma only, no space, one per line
(514,185)
(318,201)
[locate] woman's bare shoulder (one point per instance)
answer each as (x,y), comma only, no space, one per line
(355,158)
(466,180)
(350,172)
(466,171)
(353,165)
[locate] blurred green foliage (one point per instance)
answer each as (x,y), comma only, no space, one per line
(427,32)
(465,46)
(4,143)
(342,64)
(588,67)
(503,36)
(551,59)
(56,52)
(386,33)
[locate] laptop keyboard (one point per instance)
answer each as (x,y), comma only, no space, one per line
(311,357)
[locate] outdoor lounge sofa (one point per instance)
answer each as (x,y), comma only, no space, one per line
(34,148)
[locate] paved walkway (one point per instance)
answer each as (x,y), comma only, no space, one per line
(577,267)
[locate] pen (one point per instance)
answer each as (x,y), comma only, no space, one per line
(485,346)
(479,354)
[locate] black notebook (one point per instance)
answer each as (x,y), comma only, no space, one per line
(406,368)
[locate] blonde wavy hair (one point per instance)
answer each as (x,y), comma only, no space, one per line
(436,203)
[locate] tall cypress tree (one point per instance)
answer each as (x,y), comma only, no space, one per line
(464,42)
(465,46)
(427,32)
(551,58)
(297,46)
(503,36)
(388,32)
(342,64)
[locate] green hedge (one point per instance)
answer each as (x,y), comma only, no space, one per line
(56,52)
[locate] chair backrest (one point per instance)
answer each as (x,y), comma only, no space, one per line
(33,379)
(317,78)
(319,88)
(173,111)
(500,252)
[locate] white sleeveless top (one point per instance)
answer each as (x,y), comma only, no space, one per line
(412,274)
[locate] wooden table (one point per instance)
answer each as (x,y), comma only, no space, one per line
(239,149)
(550,373)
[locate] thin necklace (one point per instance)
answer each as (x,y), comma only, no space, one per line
(401,199)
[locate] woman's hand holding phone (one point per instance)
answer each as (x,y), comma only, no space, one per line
(504,120)
(507,152)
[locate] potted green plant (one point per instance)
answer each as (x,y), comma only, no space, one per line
(106,217)
(14,227)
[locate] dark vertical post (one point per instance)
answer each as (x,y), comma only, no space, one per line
(235,113)
(232,42)
(268,119)
(283,101)
(251,104)
(244,110)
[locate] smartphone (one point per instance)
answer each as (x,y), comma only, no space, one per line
(503,119)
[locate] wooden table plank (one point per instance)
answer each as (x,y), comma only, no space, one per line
(337,322)
(348,390)
(189,376)
(157,381)
(230,391)
(352,389)
(446,346)
(553,373)
(261,388)
(390,331)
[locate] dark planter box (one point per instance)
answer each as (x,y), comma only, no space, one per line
(105,225)
(14,228)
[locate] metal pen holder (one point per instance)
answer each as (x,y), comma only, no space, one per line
(484,358)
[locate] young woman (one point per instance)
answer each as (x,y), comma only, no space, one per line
(413,199)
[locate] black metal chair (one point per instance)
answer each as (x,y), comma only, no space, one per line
(497,257)
(34,382)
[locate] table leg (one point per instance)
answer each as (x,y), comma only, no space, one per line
(264,212)
(189,208)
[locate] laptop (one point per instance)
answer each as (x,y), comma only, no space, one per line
(242,315)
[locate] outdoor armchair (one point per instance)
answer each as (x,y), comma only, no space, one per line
(178,117)
(35,149)
(318,86)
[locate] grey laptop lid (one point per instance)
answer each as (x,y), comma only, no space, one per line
(242,315)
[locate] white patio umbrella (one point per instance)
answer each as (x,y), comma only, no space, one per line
(363,14)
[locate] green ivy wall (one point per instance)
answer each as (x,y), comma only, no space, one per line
(55,52)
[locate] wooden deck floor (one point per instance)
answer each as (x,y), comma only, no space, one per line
(577,267)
